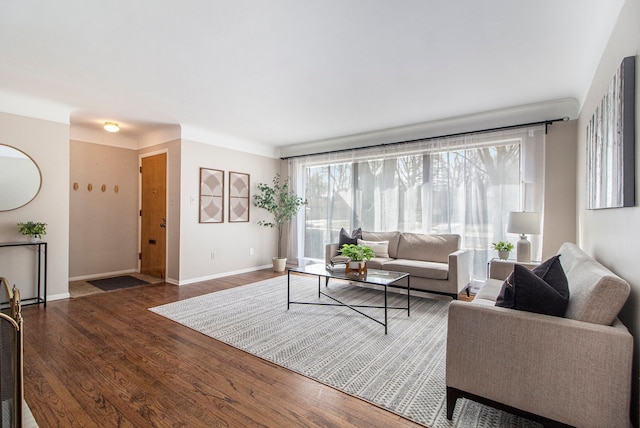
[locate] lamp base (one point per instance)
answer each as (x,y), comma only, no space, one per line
(523,250)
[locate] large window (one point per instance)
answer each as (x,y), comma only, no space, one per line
(464,186)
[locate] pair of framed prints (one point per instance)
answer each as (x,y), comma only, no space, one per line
(212,196)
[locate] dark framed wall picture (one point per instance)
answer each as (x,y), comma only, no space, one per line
(611,143)
(238,197)
(211,196)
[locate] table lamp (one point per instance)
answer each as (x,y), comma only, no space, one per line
(523,223)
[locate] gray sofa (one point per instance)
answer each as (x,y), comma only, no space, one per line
(435,262)
(574,370)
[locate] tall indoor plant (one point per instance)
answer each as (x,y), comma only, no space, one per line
(283,204)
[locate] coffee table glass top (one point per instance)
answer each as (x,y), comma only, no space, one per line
(372,276)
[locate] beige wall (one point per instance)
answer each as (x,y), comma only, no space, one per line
(231,242)
(559,220)
(103,225)
(48,144)
(612,235)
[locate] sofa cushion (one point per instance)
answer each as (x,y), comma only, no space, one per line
(346,238)
(378,262)
(419,268)
(489,291)
(432,248)
(381,248)
(552,273)
(392,237)
(544,291)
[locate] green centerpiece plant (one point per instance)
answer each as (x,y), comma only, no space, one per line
(283,204)
(357,253)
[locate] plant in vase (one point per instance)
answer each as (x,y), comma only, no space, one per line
(283,204)
(503,248)
(33,230)
(359,254)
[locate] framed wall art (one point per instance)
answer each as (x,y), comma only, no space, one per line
(611,143)
(238,197)
(211,196)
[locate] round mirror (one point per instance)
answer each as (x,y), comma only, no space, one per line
(20,178)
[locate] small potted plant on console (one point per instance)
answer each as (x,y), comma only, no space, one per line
(33,230)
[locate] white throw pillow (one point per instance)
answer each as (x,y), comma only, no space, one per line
(381,248)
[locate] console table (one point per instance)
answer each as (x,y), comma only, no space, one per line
(41,283)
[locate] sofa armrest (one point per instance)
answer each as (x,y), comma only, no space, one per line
(570,371)
(330,250)
(460,269)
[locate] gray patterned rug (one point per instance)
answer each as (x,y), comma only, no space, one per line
(403,371)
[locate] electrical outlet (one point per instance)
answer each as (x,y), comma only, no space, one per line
(213,255)
(251,251)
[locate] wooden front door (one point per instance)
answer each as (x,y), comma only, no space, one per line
(153,224)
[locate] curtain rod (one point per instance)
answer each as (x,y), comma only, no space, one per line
(546,123)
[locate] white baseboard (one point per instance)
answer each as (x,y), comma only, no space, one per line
(219,275)
(172,281)
(58,297)
(100,275)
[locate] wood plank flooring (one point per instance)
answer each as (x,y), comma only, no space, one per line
(104,360)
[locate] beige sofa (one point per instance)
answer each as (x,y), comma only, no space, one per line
(574,370)
(435,262)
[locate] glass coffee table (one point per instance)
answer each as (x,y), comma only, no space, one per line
(371,276)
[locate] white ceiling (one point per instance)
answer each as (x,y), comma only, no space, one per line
(279,72)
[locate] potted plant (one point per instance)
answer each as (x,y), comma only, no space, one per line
(34,230)
(283,204)
(357,253)
(503,248)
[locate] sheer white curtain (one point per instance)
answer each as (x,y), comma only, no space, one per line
(464,185)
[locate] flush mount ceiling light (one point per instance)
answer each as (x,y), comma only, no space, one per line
(111,127)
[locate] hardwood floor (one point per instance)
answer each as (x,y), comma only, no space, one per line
(104,360)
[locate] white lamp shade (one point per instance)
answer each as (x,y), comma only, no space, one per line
(524,223)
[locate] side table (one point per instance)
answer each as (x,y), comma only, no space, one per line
(501,269)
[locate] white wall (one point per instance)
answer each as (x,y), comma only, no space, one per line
(231,242)
(612,236)
(48,144)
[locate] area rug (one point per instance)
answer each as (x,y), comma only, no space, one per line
(28,421)
(117,282)
(403,371)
